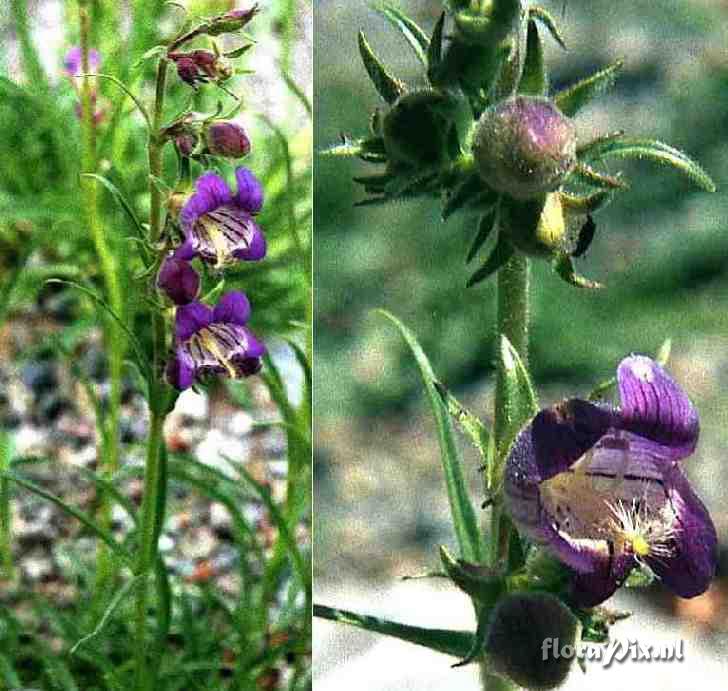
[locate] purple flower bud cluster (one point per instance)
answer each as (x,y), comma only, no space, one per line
(223,138)
(200,67)
(219,229)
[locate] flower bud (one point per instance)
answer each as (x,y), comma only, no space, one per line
(226,138)
(178,280)
(200,66)
(186,143)
(525,635)
(231,21)
(415,129)
(524,146)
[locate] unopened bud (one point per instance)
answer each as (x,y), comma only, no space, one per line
(200,66)
(524,146)
(228,139)
(231,21)
(178,280)
(523,630)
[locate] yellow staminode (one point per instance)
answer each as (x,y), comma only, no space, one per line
(644,533)
(209,341)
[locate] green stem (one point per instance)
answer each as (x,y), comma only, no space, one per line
(6,529)
(512,321)
(154,472)
(114,337)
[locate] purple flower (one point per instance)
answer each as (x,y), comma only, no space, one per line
(218,225)
(214,341)
(228,139)
(177,279)
(73,62)
(602,488)
(200,66)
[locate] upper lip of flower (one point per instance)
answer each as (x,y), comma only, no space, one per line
(602,488)
(219,225)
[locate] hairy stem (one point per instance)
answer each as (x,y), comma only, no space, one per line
(113,336)
(512,322)
(154,472)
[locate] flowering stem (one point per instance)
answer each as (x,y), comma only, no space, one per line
(6,535)
(114,337)
(512,322)
(159,404)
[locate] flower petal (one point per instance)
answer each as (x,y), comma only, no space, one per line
(226,234)
(185,252)
(178,280)
(655,407)
(591,589)
(190,319)
(250,191)
(257,248)
(180,370)
(690,568)
(211,192)
(232,308)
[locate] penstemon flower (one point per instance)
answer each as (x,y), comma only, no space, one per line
(177,279)
(214,341)
(602,488)
(218,225)
(72,62)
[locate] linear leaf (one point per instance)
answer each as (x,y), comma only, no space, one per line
(501,253)
(469,423)
(409,29)
(73,511)
(434,50)
(572,100)
(456,643)
(388,87)
(547,20)
(653,150)
(485,227)
(464,193)
(463,515)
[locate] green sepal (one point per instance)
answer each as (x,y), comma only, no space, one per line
(653,150)
(588,176)
(462,195)
(480,582)
(481,633)
(408,28)
(640,577)
(543,16)
(487,223)
(521,401)
(564,267)
(584,150)
(595,623)
(455,643)
(572,100)
(470,424)
(582,205)
(501,253)
(434,51)
(238,52)
(371,150)
(389,88)
(534,79)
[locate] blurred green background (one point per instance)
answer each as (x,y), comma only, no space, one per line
(661,249)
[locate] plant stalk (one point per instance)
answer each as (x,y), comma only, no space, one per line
(154,472)
(512,321)
(113,335)
(6,528)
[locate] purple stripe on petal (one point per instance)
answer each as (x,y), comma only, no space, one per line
(655,407)
(190,319)
(692,564)
(233,308)
(250,191)
(257,246)
(211,192)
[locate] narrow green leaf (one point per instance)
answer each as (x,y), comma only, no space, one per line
(564,267)
(501,253)
(76,513)
(520,395)
(108,613)
(543,16)
(238,52)
(123,203)
(584,150)
(455,643)
(408,28)
(466,192)
(470,424)
(464,519)
(298,92)
(388,87)
(487,223)
(434,50)
(127,91)
(653,150)
(534,79)
(588,176)
(573,99)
